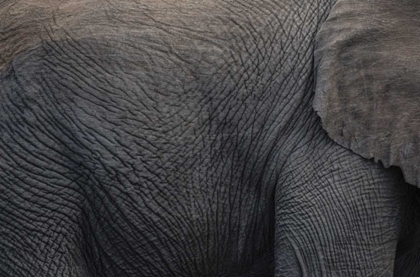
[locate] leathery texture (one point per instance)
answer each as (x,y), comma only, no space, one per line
(165,148)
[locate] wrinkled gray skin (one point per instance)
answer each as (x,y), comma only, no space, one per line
(178,138)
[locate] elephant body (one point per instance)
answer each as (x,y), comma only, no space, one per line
(177,138)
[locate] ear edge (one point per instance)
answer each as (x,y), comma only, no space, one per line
(357,117)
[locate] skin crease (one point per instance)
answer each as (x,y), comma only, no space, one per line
(177,138)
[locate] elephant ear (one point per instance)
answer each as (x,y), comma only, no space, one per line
(367,62)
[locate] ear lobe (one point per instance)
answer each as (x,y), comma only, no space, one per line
(367,62)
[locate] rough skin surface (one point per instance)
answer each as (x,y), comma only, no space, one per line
(368,81)
(177,138)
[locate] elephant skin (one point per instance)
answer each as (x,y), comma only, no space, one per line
(179,138)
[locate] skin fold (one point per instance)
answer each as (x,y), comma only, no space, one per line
(178,138)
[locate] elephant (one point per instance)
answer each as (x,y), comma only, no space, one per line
(209,138)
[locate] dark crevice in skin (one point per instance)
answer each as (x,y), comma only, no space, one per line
(407,256)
